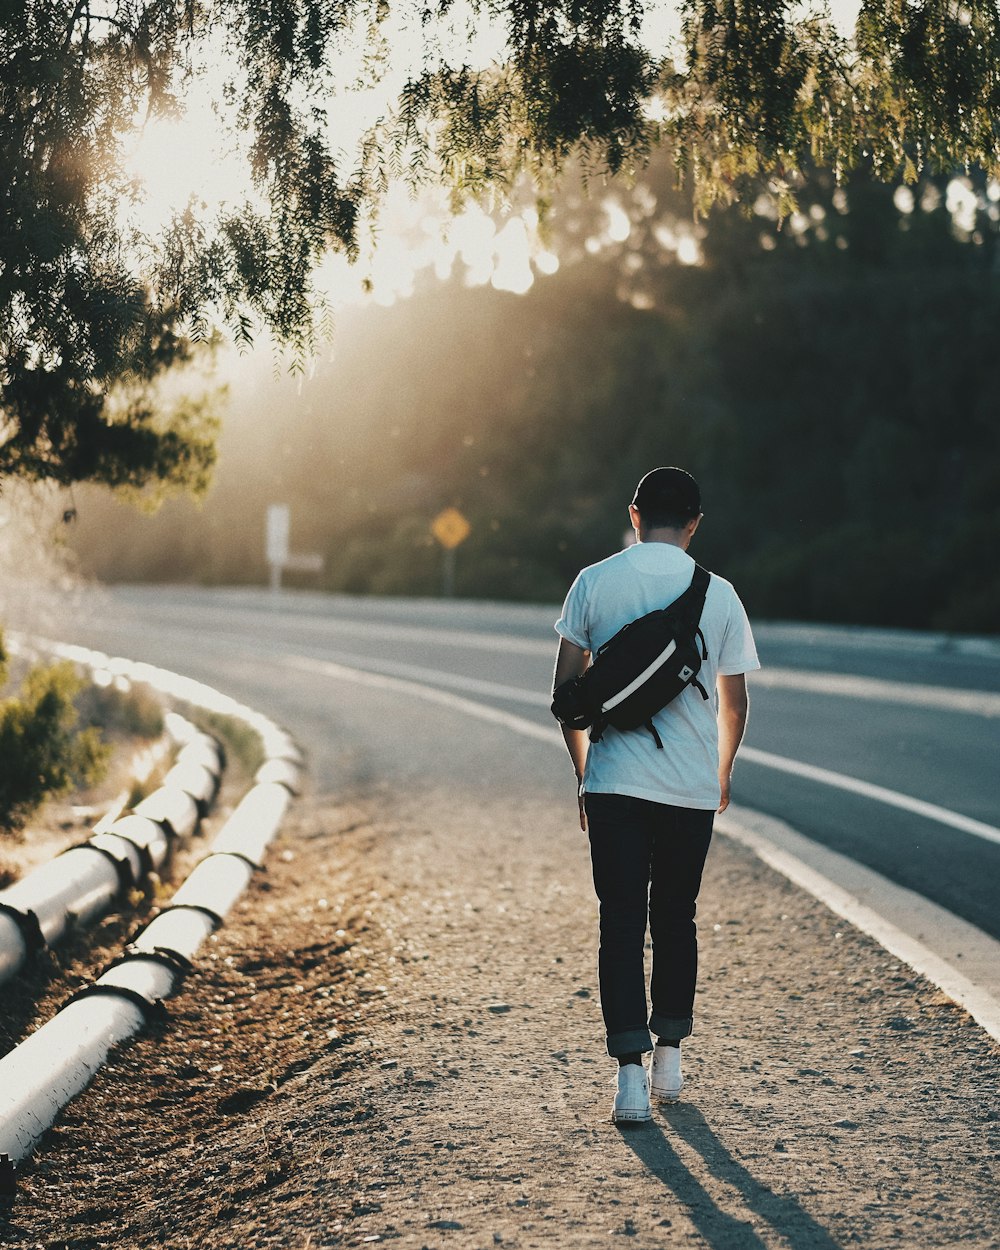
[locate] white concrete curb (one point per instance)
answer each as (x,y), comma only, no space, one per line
(40,1076)
(84,882)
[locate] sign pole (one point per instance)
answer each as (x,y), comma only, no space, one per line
(451,529)
(449,572)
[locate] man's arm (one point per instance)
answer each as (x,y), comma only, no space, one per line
(571,661)
(734,706)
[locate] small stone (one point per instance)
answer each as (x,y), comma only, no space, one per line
(452,1224)
(498,1009)
(901,1024)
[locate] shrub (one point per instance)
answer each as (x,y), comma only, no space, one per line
(42,753)
(134,712)
(241,740)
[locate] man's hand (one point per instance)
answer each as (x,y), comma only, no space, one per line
(734,705)
(571,661)
(725,785)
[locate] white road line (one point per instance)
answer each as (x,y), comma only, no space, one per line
(769,840)
(841,685)
(436,677)
(978,1002)
(879,690)
(870,791)
(425,682)
(473,639)
(868,638)
(383,681)
(417,680)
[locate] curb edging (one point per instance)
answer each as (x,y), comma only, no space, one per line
(56,1062)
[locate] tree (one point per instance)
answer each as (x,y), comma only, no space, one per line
(92,310)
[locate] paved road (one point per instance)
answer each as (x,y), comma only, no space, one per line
(916,715)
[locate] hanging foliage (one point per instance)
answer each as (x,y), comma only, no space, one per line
(93,308)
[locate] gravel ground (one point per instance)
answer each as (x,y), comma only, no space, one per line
(397,1037)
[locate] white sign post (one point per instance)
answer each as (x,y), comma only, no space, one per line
(278,547)
(279,524)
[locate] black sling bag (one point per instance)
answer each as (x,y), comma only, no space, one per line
(640,670)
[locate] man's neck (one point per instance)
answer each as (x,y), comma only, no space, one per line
(674,538)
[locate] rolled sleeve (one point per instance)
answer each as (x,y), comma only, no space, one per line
(739,651)
(572,624)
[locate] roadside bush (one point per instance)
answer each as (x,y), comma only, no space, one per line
(42,753)
(240,740)
(133,712)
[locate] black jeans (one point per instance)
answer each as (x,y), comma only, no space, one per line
(646,856)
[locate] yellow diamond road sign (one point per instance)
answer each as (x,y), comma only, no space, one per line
(450,528)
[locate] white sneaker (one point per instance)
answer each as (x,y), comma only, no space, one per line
(665,1079)
(632,1100)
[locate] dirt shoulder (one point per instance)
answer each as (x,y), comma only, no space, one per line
(397,1037)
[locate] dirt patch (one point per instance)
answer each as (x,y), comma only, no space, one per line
(397,1038)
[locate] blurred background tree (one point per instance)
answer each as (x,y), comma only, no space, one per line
(828,377)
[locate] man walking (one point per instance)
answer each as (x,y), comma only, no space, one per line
(649,811)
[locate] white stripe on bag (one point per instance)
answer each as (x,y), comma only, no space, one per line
(660,660)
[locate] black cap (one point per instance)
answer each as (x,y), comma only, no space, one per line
(668,491)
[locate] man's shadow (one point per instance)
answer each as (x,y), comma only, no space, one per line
(720,1229)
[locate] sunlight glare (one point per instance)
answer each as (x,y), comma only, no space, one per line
(904,200)
(172,163)
(688,251)
(200,157)
(512,271)
(472,233)
(843,13)
(619,225)
(962,203)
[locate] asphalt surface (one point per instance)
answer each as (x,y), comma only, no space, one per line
(270,651)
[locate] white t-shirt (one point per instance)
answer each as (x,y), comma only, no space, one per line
(604,598)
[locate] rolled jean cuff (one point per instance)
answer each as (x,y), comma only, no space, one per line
(673,1028)
(629,1042)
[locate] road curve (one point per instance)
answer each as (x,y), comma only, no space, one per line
(880,746)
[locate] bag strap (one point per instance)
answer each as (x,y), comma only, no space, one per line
(692,601)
